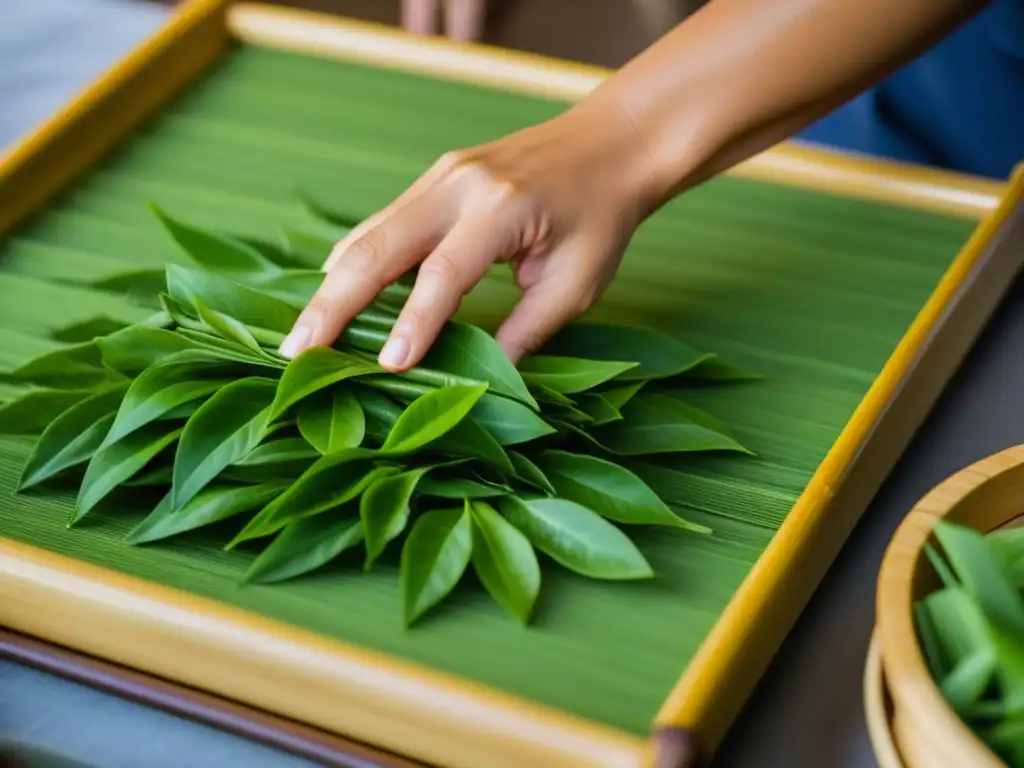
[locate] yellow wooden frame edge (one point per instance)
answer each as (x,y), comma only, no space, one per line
(387,701)
(73,139)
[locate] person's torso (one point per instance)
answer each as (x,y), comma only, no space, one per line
(964,99)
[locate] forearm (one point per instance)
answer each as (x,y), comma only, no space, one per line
(741,75)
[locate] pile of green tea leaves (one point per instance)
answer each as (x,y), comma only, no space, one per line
(971,631)
(463,461)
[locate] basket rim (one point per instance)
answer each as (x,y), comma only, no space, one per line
(878,708)
(903,667)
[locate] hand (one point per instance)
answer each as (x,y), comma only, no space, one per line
(464,19)
(559,201)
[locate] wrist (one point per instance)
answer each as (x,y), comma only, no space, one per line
(643,169)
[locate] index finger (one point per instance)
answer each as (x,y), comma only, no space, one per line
(416,190)
(362,270)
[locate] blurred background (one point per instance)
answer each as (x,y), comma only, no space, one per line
(604,32)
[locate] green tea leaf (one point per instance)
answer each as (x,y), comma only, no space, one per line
(597,407)
(942,568)
(332,481)
(226,427)
(217,348)
(183,412)
(384,509)
(313,370)
(183,314)
(657,423)
(159,476)
(1010,668)
(530,473)
(164,387)
(304,546)
(331,421)
(380,411)
(88,330)
(72,437)
(216,252)
(617,397)
(716,369)
(1006,739)
(1008,545)
(272,252)
(325,212)
(245,304)
(459,488)
(510,423)
(929,641)
(546,395)
(434,557)
(570,375)
(467,351)
(115,463)
(968,680)
(33,411)
(211,505)
(657,355)
(469,439)
(608,489)
(577,538)
(133,350)
(78,366)
(981,576)
(283,458)
(296,286)
(504,561)
(430,416)
(139,286)
(961,631)
(309,248)
(227,327)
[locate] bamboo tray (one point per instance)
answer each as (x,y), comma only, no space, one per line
(273,667)
(912,725)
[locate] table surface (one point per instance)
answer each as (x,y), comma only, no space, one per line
(808,710)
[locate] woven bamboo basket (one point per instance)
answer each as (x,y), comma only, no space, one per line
(910,723)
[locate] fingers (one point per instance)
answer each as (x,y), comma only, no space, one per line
(556,299)
(458,263)
(464,19)
(414,192)
(420,16)
(363,268)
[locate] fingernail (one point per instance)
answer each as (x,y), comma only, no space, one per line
(295,342)
(395,353)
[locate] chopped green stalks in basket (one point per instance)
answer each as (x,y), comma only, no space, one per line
(971,632)
(464,463)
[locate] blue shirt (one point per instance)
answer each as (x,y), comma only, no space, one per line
(959,106)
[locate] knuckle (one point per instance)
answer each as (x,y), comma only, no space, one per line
(583,303)
(532,342)
(441,268)
(450,160)
(576,302)
(412,317)
(366,253)
(319,309)
(477,173)
(504,189)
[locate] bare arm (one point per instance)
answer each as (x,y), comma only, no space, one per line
(561,200)
(741,75)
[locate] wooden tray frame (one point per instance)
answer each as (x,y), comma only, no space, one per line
(401,707)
